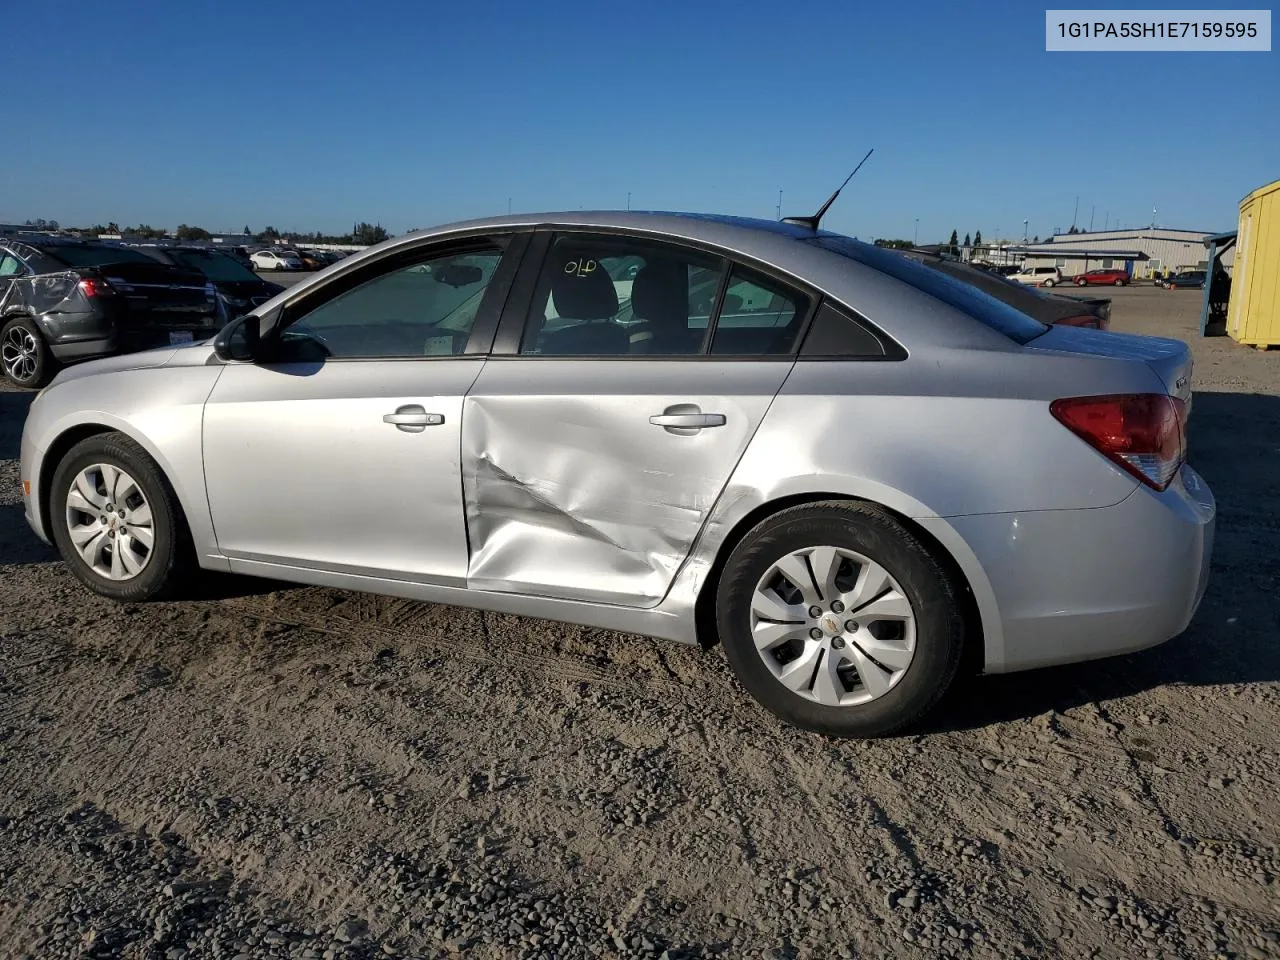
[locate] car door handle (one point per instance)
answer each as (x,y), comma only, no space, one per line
(412,418)
(688,420)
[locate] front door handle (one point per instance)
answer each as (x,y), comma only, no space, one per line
(412,418)
(688,420)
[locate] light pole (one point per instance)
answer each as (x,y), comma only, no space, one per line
(915,237)
(1024,232)
(779,203)
(628,199)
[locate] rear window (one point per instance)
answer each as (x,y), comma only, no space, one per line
(74,256)
(215,266)
(966,298)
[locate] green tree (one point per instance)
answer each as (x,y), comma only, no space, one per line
(368,234)
(977,238)
(270,233)
(966,241)
(247,231)
(113,227)
(954,243)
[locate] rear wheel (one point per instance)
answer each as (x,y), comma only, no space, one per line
(1119,283)
(24,355)
(837,619)
(117,522)
(1050,283)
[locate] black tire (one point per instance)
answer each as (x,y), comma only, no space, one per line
(1120,283)
(1050,283)
(171,562)
(1082,283)
(940,623)
(45,366)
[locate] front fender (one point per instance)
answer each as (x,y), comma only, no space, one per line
(161,409)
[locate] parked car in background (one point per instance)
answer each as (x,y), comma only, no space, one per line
(1038,276)
(65,300)
(274,260)
(1092,312)
(1191,280)
(819,492)
(239,288)
(1110,278)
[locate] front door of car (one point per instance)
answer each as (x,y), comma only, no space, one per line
(614,409)
(339,449)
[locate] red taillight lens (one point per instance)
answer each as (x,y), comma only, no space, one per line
(1084,320)
(1143,433)
(92,287)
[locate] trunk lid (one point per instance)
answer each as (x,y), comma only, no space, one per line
(162,296)
(1169,359)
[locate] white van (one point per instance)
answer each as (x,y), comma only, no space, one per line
(1038,276)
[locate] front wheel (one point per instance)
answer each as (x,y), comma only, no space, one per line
(24,355)
(837,619)
(117,522)
(1119,283)
(1082,283)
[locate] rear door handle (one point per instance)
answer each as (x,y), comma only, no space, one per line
(688,420)
(412,418)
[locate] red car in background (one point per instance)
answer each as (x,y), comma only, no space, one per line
(1111,278)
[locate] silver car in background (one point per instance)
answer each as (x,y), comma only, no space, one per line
(852,471)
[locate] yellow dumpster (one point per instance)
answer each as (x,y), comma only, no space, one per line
(1253,312)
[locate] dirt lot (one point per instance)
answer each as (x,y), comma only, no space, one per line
(279,771)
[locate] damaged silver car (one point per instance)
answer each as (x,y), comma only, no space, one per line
(855,473)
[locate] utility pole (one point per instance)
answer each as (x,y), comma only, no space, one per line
(779,203)
(915,238)
(1077,210)
(1091,209)
(628,199)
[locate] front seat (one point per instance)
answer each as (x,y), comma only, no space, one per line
(582,290)
(660,299)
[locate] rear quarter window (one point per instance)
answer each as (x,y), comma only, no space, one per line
(966,298)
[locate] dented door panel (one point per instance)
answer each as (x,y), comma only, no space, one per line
(572,492)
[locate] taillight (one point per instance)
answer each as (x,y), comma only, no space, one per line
(1084,320)
(92,287)
(1142,433)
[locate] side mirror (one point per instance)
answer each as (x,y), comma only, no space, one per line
(239,340)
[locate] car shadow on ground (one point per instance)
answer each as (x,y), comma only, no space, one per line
(13,413)
(1234,444)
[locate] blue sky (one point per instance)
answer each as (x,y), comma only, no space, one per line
(313,115)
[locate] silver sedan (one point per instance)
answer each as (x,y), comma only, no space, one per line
(853,472)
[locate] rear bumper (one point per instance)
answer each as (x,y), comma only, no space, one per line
(1071,585)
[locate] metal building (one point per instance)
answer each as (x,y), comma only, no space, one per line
(1141,252)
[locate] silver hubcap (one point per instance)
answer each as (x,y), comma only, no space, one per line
(19,353)
(833,626)
(109,521)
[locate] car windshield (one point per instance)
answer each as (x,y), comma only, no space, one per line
(966,298)
(92,256)
(215,266)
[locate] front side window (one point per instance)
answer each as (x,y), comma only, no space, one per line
(621,297)
(425,309)
(10,266)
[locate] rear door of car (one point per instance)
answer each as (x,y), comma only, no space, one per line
(613,410)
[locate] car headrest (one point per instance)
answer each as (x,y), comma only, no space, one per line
(660,292)
(582,289)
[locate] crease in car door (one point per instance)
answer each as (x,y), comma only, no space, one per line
(589,479)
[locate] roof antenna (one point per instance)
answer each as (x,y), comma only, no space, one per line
(812,222)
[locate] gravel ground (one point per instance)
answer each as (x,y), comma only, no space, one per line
(271,771)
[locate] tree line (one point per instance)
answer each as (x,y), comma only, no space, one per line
(361,233)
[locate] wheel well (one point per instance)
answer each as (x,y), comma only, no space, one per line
(705,612)
(57,450)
